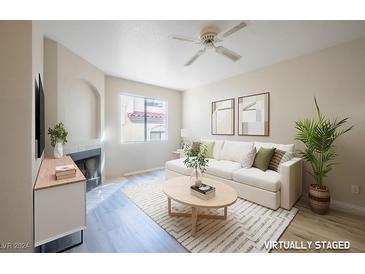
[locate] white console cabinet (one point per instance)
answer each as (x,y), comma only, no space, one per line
(59,205)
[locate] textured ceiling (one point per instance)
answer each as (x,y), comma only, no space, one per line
(141,50)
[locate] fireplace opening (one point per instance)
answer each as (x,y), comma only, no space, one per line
(90,165)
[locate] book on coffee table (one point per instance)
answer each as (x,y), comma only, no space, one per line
(204,191)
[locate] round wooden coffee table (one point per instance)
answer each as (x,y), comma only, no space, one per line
(178,189)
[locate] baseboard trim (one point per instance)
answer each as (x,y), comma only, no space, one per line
(113,180)
(343,206)
(143,171)
(349,208)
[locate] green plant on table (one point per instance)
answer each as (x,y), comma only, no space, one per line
(58,134)
(196,157)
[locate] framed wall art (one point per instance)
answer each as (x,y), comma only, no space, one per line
(222,117)
(254,115)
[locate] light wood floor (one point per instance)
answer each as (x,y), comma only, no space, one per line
(335,226)
(118,225)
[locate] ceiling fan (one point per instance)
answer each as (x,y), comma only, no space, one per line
(208,38)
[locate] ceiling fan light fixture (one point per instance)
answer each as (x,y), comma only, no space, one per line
(228,53)
(208,37)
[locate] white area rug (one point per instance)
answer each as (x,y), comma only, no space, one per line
(247,228)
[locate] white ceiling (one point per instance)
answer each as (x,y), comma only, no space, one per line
(141,50)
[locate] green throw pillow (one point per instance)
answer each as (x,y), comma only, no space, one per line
(263,158)
(209,146)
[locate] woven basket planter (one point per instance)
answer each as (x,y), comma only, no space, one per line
(319,198)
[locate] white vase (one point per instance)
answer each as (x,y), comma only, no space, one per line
(58,150)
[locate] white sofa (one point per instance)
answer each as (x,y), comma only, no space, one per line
(268,188)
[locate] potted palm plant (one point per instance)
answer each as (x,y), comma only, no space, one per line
(196,158)
(58,135)
(318,135)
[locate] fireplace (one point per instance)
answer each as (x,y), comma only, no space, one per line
(89,163)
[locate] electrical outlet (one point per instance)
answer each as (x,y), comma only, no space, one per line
(355,189)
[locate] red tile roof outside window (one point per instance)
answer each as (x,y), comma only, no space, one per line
(140,114)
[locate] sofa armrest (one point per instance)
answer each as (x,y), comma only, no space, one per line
(291,182)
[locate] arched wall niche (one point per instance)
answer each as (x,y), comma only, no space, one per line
(82,111)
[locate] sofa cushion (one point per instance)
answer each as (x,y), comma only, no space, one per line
(178,166)
(222,168)
(289,147)
(217,149)
(235,151)
(263,158)
(268,180)
(280,156)
(209,146)
(248,160)
(218,144)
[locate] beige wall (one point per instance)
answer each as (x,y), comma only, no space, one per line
(74,91)
(130,157)
(50,89)
(335,75)
(37,67)
(21,61)
(65,71)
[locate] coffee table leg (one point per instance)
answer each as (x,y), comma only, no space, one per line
(225,212)
(194,219)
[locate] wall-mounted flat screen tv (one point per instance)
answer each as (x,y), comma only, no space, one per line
(39,117)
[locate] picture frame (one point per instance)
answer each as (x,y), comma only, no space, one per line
(223,117)
(254,114)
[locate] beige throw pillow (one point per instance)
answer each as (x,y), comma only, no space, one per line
(247,161)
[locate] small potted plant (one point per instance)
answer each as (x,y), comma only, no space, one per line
(318,135)
(58,135)
(196,158)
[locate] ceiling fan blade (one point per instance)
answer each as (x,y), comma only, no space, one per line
(192,59)
(228,53)
(184,38)
(232,30)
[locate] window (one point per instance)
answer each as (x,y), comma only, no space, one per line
(157,133)
(143,119)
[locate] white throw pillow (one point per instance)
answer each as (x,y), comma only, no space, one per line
(217,149)
(248,160)
(235,151)
(288,148)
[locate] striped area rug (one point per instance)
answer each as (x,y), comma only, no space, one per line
(247,228)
